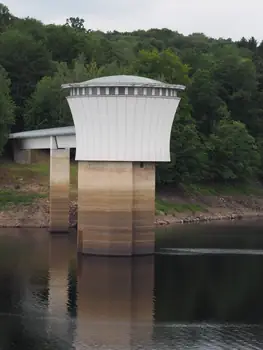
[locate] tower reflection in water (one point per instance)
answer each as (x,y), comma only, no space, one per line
(115,302)
(60,250)
(105,302)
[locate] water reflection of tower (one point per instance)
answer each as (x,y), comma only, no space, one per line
(35,263)
(115,302)
(60,252)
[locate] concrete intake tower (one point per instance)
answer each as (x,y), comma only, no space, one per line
(123,126)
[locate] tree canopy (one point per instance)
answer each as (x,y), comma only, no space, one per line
(218,129)
(7,116)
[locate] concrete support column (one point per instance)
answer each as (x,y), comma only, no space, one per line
(116,207)
(105,197)
(143,208)
(59,188)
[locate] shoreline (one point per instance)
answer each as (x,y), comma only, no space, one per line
(24,194)
(207,219)
(36,215)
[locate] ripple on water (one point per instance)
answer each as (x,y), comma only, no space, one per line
(208,251)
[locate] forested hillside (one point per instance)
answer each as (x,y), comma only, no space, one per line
(218,130)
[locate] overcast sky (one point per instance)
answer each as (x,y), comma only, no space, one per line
(223,18)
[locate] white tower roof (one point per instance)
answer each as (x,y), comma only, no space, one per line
(124,80)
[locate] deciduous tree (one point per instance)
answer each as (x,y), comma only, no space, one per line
(7,117)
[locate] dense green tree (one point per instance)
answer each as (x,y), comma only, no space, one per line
(236,77)
(26,61)
(220,114)
(165,65)
(47,106)
(188,159)
(233,152)
(6,18)
(76,23)
(65,43)
(7,117)
(208,107)
(32,27)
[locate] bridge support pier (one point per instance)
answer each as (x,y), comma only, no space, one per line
(59,189)
(116,203)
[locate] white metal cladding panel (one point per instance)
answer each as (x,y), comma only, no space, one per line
(123,129)
(35,143)
(66,141)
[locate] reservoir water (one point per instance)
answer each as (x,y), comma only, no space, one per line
(202,290)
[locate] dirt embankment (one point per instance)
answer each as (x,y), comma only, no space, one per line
(213,207)
(180,209)
(24,200)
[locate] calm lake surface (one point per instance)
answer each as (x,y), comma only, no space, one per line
(203,290)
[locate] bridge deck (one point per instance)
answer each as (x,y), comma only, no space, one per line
(64,137)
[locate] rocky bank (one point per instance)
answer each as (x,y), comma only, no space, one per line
(179,206)
(217,208)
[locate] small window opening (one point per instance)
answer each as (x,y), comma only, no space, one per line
(141,165)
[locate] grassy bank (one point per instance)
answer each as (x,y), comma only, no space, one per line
(215,189)
(168,207)
(26,186)
(23,174)
(9,198)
